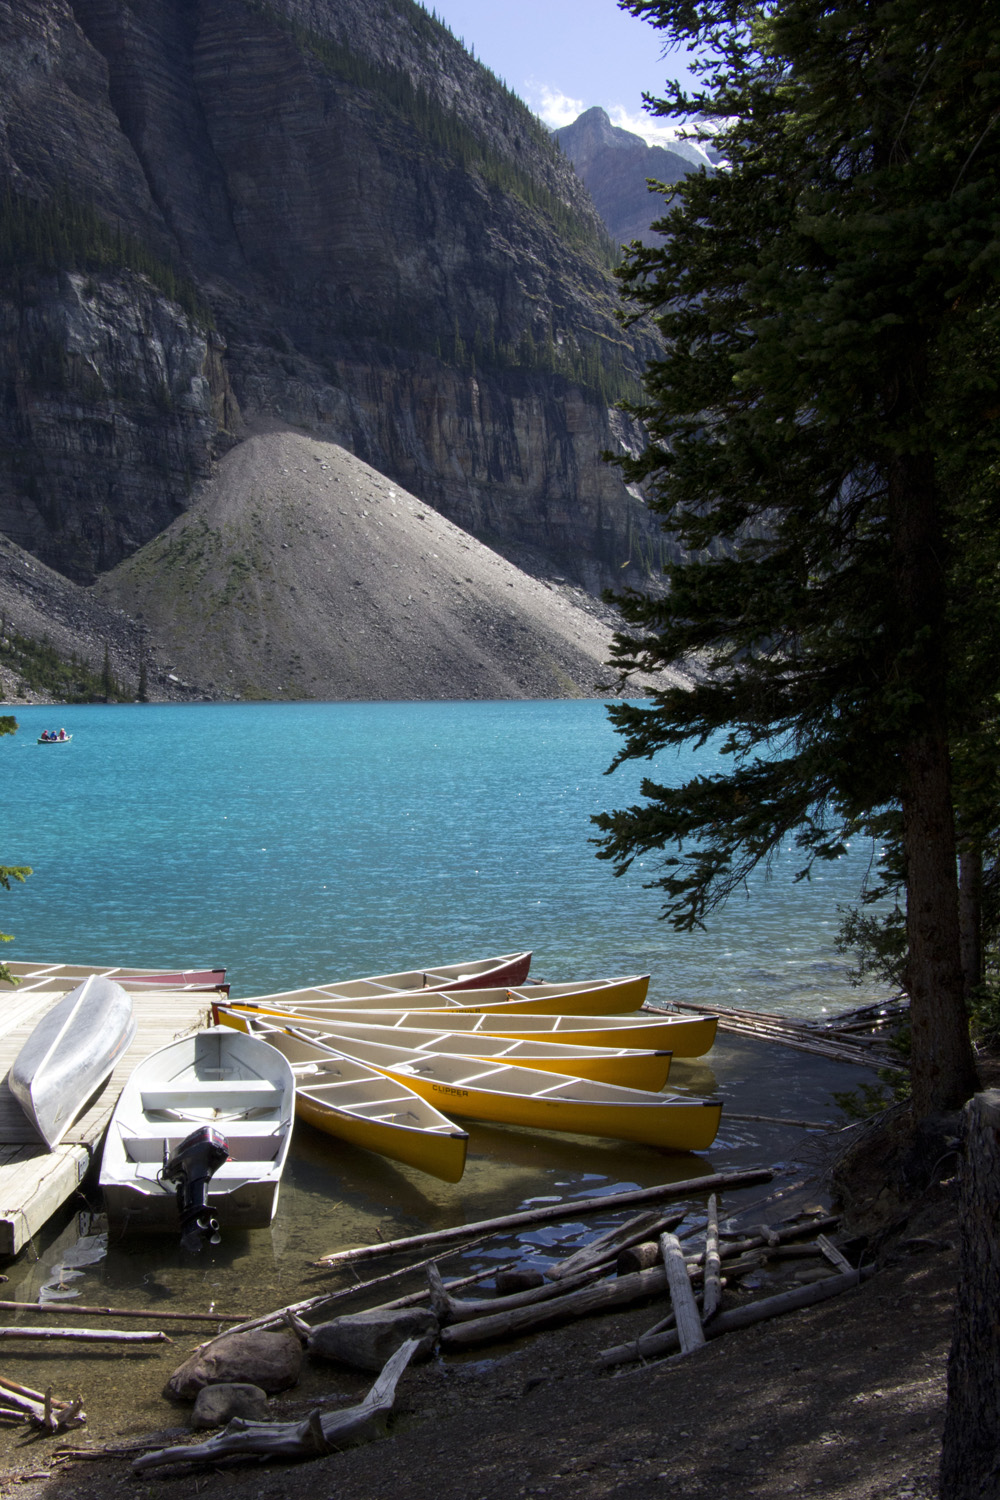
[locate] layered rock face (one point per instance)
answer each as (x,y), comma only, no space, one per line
(326,212)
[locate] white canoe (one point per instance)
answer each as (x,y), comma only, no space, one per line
(481,1089)
(355,1103)
(237,1084)
(71,1052)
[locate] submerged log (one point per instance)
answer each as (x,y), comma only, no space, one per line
(41,1407)
(316,1435)
(86,1335)
(668,1343)
(157,1314)
(604,1249)
(549,1214)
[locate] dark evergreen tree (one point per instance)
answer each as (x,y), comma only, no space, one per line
(822,424)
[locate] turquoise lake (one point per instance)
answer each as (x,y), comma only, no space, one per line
(295,843)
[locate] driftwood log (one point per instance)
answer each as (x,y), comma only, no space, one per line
(449,1309)
(655,1346)
(712,1292)
(293,1311)
(41,1407)
(638,1257)
(316,1435)
(686,1316)
(576,1304)
(551,1213)
(970,1457)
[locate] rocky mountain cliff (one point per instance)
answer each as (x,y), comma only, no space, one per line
(616,166)
(322,212)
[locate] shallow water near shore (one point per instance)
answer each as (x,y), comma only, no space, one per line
(307,842)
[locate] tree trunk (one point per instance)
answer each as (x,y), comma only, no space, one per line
(943,1071)
(970,1456)
(970,913)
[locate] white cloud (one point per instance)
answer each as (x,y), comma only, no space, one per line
(555,108)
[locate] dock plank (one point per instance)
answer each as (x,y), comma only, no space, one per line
(34,1182)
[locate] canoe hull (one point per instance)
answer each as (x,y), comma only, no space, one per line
(683,1036)
(505,1094)
(636,1069)
(441,1156)
(72,1051)
(238,1084)
(352,1102)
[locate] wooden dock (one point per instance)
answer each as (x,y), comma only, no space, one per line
(34,1182)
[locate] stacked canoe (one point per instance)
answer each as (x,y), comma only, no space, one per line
(478,1040)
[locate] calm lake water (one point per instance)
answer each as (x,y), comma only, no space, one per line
(296,843)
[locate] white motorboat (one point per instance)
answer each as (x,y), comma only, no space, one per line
(199,1138)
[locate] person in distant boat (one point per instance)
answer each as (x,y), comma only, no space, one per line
(45,734)
(62,734)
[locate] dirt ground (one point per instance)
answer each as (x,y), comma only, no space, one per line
(845,1400)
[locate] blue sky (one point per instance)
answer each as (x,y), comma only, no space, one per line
(563,56)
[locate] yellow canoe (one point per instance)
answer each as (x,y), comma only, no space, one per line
(509,1095)
(355,1103)
(598,997)
(634,1068)
(684,1036)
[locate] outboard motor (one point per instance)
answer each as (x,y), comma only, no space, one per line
(191,1168)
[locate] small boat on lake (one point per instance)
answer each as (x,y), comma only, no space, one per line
(71,1052)
(199,1137)
(57,976)
(634,1068)
(683,1036)
(354,1103)
(60,738)
(596,997)
(507,1095)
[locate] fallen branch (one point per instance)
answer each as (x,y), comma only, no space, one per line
(550,1213)
(310,1304)
(316,1435)
(667,1343)
(76,1310)
(86,1335)
(42,1408)
(449,1309)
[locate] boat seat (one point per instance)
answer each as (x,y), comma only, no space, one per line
(240,1093)
(249,1143)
